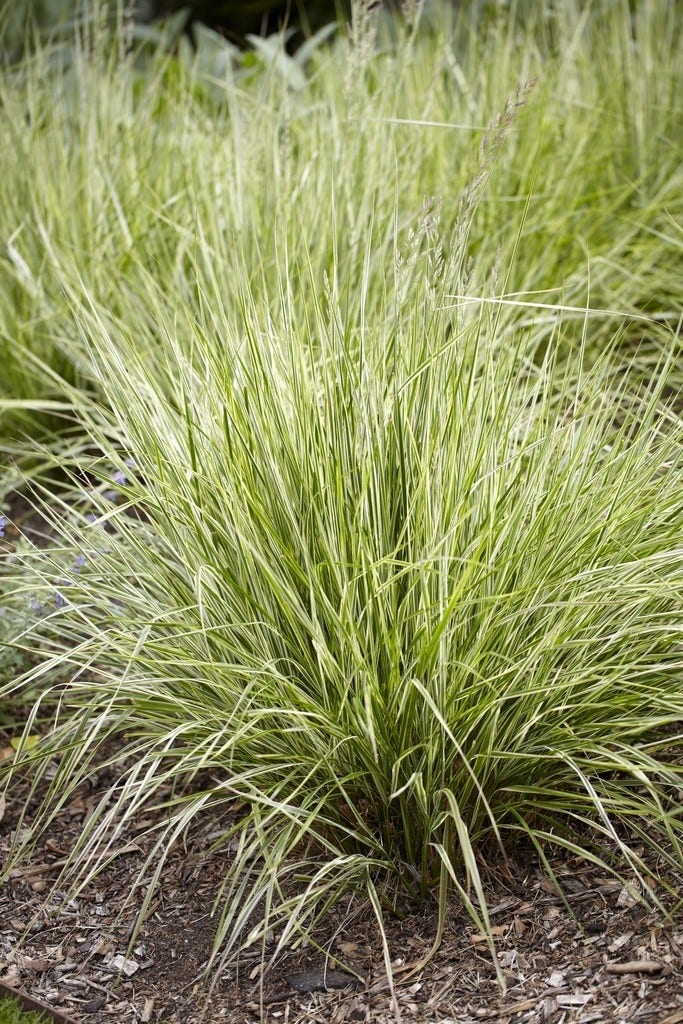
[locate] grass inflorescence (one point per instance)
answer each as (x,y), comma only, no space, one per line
(369,503)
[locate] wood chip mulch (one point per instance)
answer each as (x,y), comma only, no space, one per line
(606,960)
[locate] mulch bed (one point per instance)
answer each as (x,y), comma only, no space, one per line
(606,960)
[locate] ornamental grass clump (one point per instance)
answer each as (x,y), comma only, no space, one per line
(351,536)
(409,602)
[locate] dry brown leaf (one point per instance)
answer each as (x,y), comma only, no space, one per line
(620,941)
(500,929)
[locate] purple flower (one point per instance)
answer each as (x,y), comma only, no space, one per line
(120,478)
(3,523)
(79,562)
(110,495)
(59,599)
(36,606)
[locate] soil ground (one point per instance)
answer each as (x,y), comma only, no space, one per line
(599,957)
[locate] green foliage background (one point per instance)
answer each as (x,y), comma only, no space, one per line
(20,20)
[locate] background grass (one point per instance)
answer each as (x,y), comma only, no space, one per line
(365,493)
(581,208)
(12,1013)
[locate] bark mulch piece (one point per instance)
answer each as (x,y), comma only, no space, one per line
(599,957)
